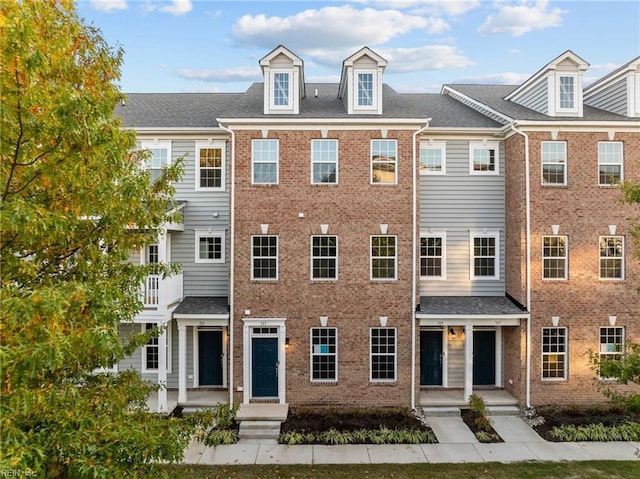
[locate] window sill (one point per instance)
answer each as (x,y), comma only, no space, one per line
(390,382)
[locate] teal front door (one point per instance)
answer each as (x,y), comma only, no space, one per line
(484,358)
(210,358)
(264,367)
(431,358)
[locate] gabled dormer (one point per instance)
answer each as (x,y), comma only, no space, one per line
(283,74)
(361,82)
(555,90)
(618,92)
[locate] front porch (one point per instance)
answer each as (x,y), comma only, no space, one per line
(197,399)
(496,400)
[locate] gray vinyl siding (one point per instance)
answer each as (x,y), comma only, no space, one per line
(613,98)
(537,98)
(457,203)
(455,362)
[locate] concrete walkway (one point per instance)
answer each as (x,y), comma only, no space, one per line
(455,445)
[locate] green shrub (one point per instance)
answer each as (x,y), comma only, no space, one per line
(628,431)
(218,437)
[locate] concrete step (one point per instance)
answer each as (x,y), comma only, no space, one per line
(441,411)
(503,410)
(259,430)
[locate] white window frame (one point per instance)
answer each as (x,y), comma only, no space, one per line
(383,162)
(621,258)
(356,89)
(560,161)
(272,93)
(372,258)
(313,351)
(277,258)
(496,265)
(254,161)
(212,234)
(606,351)
(394,354)
(429,145)
(319,158)
(564,353)
(484,146)
(576,80)
(565,276)
(334,258)
(146,346)
(609,158)
(206,145)
(443,257)
(156,145)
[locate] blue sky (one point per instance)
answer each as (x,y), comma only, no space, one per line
(214,46)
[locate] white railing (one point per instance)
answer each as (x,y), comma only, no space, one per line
(161,292)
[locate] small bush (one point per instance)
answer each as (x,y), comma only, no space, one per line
(628,431)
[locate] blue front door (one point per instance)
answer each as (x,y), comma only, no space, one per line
(431,358)
(210,358)
(264,367)
(484,358)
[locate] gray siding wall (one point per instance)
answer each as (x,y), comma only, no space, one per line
(457,203)
(537,98)
(455,370)
(613,98)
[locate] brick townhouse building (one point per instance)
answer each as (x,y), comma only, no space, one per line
(347,244)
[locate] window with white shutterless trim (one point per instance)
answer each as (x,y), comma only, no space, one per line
(485,255)
(554,353)
(160,156)
(210,165)
(324,354)
(210,246)
(383,355)
(433,158)
(484,157)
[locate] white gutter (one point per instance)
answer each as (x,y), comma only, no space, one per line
(414,193)
(528,254)
(232,214)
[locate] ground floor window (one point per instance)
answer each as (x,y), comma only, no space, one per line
(611,346)
(150,356)
(324,354)
(383,354)
(554,353)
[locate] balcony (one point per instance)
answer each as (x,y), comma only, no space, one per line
(158,293)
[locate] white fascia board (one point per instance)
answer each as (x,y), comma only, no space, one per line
(176,131)
(593,126)
(464,131)
(203,319)
(460,319)
(321,121)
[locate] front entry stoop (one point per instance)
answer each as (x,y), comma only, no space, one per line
(260,423)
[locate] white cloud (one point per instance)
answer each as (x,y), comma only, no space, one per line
(506,78)
(520,19)
(222,74)
(428,57)
(177,7)
(342,27)
(108,5)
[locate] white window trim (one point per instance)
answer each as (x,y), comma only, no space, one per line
(395,257)
(434,145)
(374,90)
(312,257)
(601,353)
(484,145)
(277,258)
(210,234)
(272,93)
(156,144)
(144,350)
(622,259)
(371,162)
(482,234)
(311,354)
(277,161)
(576,98)
(565,354)
(395,357)
(566,163)
(566,257)
(621,164)
(223,174)
(325,162)
(436,234)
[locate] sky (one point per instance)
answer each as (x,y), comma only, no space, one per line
(214,46)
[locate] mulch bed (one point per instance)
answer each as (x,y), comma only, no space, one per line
(469,418)
(579,416)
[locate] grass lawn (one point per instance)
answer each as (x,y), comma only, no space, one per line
(493,470)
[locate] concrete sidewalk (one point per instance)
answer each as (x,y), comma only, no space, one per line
(456,444)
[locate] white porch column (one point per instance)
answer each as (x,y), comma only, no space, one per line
(468,361)
(162,369)
(182,363)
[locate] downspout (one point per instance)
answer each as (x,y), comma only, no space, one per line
(528,255)
(232,214)
(414,192)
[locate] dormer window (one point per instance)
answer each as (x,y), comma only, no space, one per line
(567,85)
(283,74)
(281,89)
(365,89)
(361,83)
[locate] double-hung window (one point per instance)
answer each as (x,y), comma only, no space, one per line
(210,159)
(281,89)
(160,157)
(365,89)
(609,163)
(432,256)
(611,257)
(554,353)
(485,259)
(264,162)
(384,257)
(566,91)
(611,348)
(383,354)
(264,257)
(384,162)
(432,158)
(324,162)
(324,257)
(151,352)
(554,257)
(324,354)
(554,163)
(483,157)
(210,247)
